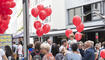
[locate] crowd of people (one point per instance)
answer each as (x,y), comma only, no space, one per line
(14,52)
(68,50)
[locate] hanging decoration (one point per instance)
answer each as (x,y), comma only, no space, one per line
(41,12)
(37,24)
(68,32)
(79,27)
(5,12)
(76,20)
(46,28)
(78,36)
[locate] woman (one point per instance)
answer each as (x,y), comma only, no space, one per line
(74,55)
(45,48)
(20,50)
(36,54)
(2,55)
(9,53)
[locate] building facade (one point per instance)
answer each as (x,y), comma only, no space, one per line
(92,13)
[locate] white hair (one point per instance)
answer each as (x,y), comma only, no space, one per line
(45,46)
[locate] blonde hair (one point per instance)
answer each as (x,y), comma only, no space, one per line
(45,46)
(72,35)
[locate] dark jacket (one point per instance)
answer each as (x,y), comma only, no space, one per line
(89,54)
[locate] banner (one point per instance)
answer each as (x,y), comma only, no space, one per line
(5,40)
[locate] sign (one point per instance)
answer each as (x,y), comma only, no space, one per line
(77,3)
(5,40)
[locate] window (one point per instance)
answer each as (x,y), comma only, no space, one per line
(97,7)
(87,13)
(73,12)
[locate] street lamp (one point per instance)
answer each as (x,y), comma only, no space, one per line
(26,27)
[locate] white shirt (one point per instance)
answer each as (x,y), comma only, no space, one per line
(2,53)
(19,49)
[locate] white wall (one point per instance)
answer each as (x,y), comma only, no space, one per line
(57,19)
(59,14)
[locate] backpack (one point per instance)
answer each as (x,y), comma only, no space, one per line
(36,57)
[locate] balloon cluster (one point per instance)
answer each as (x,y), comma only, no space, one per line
(5,12)
(43,13)
(79,26)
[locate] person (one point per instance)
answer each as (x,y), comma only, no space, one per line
(64,44)
(45,47)
(97,48)
(20,50)
(72,40)
(60,55)
(81,49)
(35,42)
(89,51)
(14,47)
(74,55)
(9,53)
(55,49)
(2,55)
(36,53)
(103,47)
(49,41)
(30,48)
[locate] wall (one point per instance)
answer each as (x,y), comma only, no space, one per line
(56,20)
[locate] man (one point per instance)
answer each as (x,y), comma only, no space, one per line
(14,47)
(2,55)
(64,44)
(49,41)
(89,51)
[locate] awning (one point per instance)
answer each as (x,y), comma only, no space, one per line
(62,32)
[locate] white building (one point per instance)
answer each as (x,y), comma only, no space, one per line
(63,12)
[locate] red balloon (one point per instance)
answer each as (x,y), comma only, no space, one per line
(80,28)
(6,11)
(43,15)
(40,7)
(76,20)
(9,4)
(48,11)
(68,32)
(78,36)
(3,28)
(35,12)
(13,4)
(102,53)
(46,28)
(39,32)
(6,17)
(37,24)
